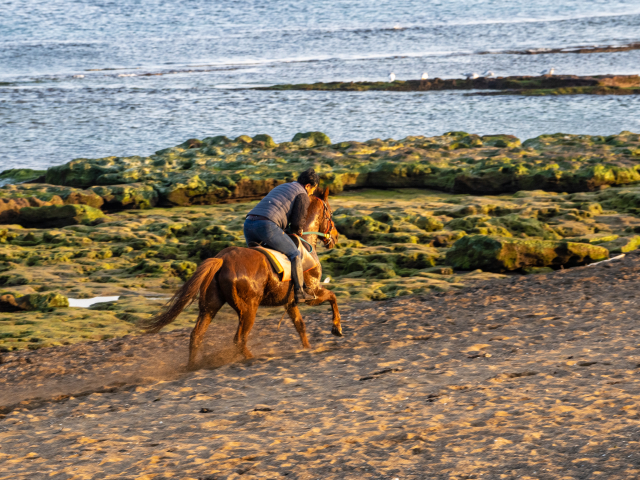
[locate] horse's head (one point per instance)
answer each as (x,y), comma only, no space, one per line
(326,225)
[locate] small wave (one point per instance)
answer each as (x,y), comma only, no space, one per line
(550,19)
(108,69)
(576,49)
(451,23)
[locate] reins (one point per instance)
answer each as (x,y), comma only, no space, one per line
(320,234)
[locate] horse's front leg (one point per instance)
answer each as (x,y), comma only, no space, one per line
(323,295)
(295,316)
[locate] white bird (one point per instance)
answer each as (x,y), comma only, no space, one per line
(548,71)
(78,76)
(425,76)
(488,74)
(327,280)
(471,75)
(392,77)
(127,75)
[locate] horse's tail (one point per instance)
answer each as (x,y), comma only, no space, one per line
(198,283)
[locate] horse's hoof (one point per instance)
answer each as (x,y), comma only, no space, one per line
(337,331)
(192,367)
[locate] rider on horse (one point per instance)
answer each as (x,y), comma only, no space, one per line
(284,206)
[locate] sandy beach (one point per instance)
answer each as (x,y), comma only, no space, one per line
(524,377)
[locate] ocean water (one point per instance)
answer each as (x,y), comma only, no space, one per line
(94,78)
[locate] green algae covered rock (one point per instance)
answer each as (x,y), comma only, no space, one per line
(39,194)
(268,141)
(622,245)
(594,238)
(427,223)
(58,215)
(11,301)
(498,254)
(133,195)
(80,172)
(220,169)
(380,270)
(184,270)
(43,301)
(359,227)
(312,139)
(501,141)
(19,175)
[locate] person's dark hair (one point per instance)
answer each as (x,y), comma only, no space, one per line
(309,177)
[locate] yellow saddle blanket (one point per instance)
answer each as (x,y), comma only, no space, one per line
(282,265)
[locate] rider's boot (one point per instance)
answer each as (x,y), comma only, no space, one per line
(297,275)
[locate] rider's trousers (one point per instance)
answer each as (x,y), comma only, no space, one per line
(270,235)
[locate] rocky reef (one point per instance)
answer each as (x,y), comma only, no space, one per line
(219,169)
(416,215)
(520,85)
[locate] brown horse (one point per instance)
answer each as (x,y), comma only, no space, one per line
(244,278)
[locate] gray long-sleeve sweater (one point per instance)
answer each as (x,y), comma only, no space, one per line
(287,203)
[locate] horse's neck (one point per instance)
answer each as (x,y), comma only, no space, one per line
(313,223)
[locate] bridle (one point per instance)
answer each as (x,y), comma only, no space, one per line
(326,236)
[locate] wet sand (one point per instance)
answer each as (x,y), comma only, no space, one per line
(525,377)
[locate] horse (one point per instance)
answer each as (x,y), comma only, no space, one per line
(244,278)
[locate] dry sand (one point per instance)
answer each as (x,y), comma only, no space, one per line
(526,377)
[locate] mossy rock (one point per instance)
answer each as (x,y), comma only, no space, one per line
(134,195)
(498,254)
(59,215)
(184,270)
(246,139)
(267,140)
(416,259)
(469,223)
(531,227)
(81,172)
(501,141)
(356,263)
(359,227)
(151,267)
(312,139)
(427,223)
(218,169)
(394,238)
(380,270)
(44,302)
(446,238)
(19,175)
(594,238)
(623,244)
(14,279)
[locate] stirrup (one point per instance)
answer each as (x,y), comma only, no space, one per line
(302,296)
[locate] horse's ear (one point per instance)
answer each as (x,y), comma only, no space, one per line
(325,195)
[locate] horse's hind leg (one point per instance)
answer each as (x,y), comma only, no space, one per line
(247,318)
(208,310)
(296,318)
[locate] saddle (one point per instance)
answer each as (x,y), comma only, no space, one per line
(281,264)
